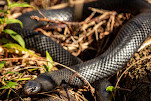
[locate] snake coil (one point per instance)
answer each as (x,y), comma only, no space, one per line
(128,40)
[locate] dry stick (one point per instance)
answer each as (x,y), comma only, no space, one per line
(77,2)
(55,97)
(19,69)
(67,22)
(95,28)
(145,44)
(59,6)
(41,13)
(78,95)
(90,17)
(148,57)
(64,22)
(22,58)
(79,75)
(110,23)
(101,11)
(96,35)
(98,19)
(53,21)
(104,16)
(78,52)
(66,30)
(87,25)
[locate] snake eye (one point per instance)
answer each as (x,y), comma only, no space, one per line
(32,87)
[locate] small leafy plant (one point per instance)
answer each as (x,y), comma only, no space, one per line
(50,62)
(3,22)
(111,89)
(12,47)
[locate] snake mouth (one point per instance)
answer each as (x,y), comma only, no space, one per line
(32,87)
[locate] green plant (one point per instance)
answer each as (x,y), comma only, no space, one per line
(20,47)
(3,22)
(2,64)
(111,89)
(49,62)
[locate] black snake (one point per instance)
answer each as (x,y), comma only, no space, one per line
(128,40)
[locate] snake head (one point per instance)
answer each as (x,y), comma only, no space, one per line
(44,82)
(32,87)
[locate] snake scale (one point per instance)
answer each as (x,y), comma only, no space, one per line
(128,40)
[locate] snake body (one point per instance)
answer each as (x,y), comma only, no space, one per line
(128,40)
